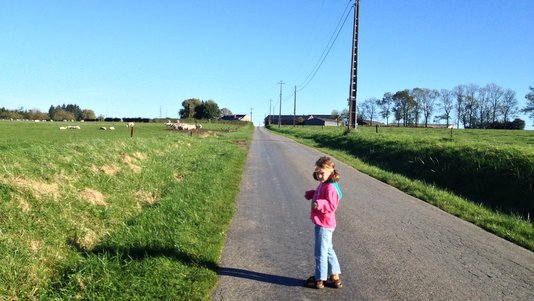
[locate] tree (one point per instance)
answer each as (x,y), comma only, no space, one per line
(495,94)
(529,108)
(60,115)
(88,114)
(75,110)
(404,105)
(336,116)
(508,105)
(226,111)
(459,96)
(35,114)
(369,108)
(425,102)
(419,95)
(189,107)
(385,105)
(447,104)
(207,110)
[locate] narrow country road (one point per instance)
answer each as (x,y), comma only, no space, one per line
(391,246)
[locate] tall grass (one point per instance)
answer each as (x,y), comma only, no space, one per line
(94,217)
(485,184)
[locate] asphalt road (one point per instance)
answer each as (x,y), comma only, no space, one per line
(391,246)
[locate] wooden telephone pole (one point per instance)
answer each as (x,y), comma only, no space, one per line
(353,115)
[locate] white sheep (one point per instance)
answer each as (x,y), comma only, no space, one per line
(62,128)
(103,128)
(111,128)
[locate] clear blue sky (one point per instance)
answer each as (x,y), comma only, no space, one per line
(143,58)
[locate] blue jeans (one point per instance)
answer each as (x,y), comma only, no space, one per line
(326,262)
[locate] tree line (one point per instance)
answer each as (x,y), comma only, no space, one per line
(191,108)
(56,113)
(194,108)
(471,106)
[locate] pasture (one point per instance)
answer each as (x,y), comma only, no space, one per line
(99,215)
(483,176)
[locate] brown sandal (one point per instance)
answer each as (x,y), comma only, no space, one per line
(313,283)
(334,282)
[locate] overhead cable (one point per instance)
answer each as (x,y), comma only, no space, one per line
(328,47)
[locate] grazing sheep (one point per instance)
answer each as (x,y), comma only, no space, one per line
(73,127)
(103,128)
(62,127)
(111,128)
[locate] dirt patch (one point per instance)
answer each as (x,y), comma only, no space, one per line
(23,204)
(131,162)
(86,240)
(179,178)
(109,170)
(139,156)
(93,197)
(35,246)
(37,188)
(240,142)
(144,198)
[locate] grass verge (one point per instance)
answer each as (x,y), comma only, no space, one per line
(117,218)
(511,227)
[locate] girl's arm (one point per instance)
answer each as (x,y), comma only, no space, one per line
(330,201)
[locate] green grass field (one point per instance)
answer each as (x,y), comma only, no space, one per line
(99,215)
(485,177)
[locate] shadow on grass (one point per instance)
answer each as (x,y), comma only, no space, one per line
(262,277)
(140,253)
(126,254)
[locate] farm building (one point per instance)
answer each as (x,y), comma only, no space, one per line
(236,117)
(320,120)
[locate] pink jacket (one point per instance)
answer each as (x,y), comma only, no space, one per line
(327,197)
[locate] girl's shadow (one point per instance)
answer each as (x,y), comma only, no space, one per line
(274,279)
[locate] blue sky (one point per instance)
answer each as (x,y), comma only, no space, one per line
(143,58)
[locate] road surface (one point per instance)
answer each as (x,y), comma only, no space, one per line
(391,246)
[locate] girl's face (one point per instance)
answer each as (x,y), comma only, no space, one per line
(323,174)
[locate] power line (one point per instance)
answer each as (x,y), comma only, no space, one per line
(328,47)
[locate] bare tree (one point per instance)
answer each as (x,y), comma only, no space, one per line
(419,96)
(447,104)
(370,106)
(471,105)
(495,94)
(459,93)
(428,98)
(508,107)
(529,108)
(483,107)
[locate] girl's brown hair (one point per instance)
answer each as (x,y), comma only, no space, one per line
(328,163)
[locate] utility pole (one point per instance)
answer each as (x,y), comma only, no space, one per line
(353,115)
(251,120)
(295,107)
(280,111)
(270,111)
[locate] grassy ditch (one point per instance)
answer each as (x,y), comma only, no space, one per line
(94,217)
(487,185)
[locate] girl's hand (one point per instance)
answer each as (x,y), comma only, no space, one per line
(315,205)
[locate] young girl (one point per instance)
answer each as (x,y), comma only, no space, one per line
(324,202)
